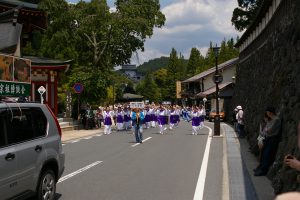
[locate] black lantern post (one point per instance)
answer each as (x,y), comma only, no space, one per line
(217,80)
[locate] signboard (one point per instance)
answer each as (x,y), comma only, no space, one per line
(14,69)
(217,78)
(14,89)
(166,103)
(137,104)
(178,89)
(14,76)
(42,90)
(78,88)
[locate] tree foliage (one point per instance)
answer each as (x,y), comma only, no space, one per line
(245,13)
(96,39)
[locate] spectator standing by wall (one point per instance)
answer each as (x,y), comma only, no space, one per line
(270,142)
(240,122)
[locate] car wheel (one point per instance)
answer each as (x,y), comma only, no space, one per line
(47,185)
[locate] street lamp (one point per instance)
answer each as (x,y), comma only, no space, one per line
(217,80)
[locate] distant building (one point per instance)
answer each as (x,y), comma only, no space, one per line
(200,86)
(131,72)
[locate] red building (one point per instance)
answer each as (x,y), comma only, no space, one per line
(17,22)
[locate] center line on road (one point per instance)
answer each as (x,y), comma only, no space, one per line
(202,175)
(148,138)
(78,171)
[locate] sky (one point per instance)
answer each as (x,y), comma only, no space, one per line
(189,24)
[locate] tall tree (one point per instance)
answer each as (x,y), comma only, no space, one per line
(172,75)
(244,15)
(194,62)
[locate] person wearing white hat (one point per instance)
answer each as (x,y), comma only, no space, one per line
(240,122)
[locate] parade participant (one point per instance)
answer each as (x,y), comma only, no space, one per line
(147,115)
(161,119)
(137,120)
(173,118)
(107,114)
(153,116)
(120,119)
(127,118)
(195,120)
(99,116)
(202,116)
(177,114)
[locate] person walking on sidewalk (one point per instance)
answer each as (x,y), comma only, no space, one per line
(240,121)
(137,123)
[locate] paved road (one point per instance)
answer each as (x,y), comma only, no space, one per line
(164,167)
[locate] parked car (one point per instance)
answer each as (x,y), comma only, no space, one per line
(213,113)
(31,155)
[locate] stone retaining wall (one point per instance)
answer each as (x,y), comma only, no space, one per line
(268,74)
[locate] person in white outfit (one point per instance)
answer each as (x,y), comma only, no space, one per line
(195,114)
(161,119)
(153,116)
(202,116)
(120,119)
(107,114)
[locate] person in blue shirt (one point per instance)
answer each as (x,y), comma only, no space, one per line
(137,124)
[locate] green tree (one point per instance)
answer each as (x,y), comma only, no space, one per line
(173,74)
(194,62)
(149,89)
(245,13)
(95,39)
(160,78)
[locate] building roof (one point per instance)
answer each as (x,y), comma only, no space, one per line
(213,89)
(128,67)
(19,3)
(212,70)
(46,61)
(260,15)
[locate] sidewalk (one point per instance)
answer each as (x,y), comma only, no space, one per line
(243,184)
(76,134)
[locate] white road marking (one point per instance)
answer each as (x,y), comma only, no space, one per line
(202,175)
(87,138)
(98,135)
(74,141)
(63,144)
(78,171)
(148,138)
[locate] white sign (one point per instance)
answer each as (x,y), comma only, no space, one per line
(137,104)
(42,90)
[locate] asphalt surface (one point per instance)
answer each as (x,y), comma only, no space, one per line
(114,167)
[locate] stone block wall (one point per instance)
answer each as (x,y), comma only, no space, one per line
(268,74)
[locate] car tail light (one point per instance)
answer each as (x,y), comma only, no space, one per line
(55,119)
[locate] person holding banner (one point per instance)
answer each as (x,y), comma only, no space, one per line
(127,118)
(147,117)
(137,123)
(107,114)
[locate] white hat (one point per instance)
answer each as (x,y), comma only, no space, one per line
(239,107)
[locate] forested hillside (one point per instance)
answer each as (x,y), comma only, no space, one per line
(155,64)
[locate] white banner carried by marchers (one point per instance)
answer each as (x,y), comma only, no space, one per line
(137,104)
